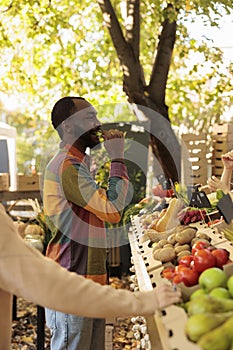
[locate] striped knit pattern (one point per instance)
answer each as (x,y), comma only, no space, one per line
(77,208)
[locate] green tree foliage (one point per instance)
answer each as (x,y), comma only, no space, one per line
(51,48)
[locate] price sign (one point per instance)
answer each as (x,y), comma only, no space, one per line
(225,207)
(199,200)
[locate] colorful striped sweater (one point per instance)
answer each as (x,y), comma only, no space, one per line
(77,209)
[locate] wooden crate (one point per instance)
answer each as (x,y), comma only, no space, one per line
(28,182)
(217,171)
(196,172)
(223,138)
(4,181)
(223,128)
(222,147)
(222,143)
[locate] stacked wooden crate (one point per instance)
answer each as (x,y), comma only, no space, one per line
(28,182)
(4,181)
(222,141)
(194,159)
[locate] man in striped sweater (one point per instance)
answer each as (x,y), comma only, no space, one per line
(77,210)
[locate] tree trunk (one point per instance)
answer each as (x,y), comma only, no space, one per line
(149,99)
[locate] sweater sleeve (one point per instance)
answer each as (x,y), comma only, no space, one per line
(81,189)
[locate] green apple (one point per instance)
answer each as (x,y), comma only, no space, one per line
(230,285)
(220,292)
(197,293)
(212,278)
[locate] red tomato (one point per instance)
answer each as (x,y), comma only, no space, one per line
(199,245)
(191,277)
(178,279)
(186,275)
(179,268)
(221,256)
(203,259)
(168,272)
(192,266)
(186,260)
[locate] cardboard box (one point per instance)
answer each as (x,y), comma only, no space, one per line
(4,181)
(28,182)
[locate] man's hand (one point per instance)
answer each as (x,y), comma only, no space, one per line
(114,143)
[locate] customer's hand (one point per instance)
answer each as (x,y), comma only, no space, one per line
(216,184)
(167,294)
(227,160)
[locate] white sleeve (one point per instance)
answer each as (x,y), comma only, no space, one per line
(27,273)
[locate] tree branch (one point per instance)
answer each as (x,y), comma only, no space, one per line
(8,7)
(133,25)
(162,60)
(133,78)
(114,28)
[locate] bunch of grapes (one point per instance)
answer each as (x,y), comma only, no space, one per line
(191,215)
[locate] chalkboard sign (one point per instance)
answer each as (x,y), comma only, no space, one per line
(225,207)
(199,200)
(4,157)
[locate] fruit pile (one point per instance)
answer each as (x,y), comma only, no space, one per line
(210,311)
(175,245)
(202,257)
(166,218)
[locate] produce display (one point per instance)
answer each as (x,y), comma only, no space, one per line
(190,215)
(192,252)
(201,256)
(210,311)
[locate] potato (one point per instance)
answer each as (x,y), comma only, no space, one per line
(171,239)
(183,253)
(186,235)
(168,245)
(162,242)
(146,235)
(156,253)
(196,239)
(179,248)
(155,246)
(203,235)
(167,254)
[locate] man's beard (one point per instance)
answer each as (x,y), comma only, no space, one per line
(89,138)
